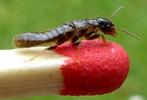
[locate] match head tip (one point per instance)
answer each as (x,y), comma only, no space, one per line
(96,67)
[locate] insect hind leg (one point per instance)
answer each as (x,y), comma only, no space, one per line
(52,47)
(75,40)
(61,40)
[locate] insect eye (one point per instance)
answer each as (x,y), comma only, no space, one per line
(101,23)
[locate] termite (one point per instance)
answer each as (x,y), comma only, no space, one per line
(88,28)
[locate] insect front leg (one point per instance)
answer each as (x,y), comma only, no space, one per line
(92,36)
(103,38)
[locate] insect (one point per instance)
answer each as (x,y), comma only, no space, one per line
(88,28)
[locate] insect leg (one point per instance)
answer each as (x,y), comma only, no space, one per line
(75,36)
(61,40)
(88,35)
(52,47)
(103,38)
(75,40)
(92,36)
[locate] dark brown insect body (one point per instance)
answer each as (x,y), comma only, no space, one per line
(88,28)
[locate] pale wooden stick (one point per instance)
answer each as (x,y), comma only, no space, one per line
(20,75)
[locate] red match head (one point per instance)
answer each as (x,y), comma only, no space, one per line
(95,67)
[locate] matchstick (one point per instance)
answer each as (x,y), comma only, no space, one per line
(92,68)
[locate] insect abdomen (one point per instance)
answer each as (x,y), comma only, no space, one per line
(29,39)
(33,39)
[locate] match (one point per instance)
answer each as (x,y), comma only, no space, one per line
(92,68)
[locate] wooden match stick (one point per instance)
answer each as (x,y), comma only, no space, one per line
(92,68)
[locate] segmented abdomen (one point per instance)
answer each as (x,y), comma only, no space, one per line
(30,39)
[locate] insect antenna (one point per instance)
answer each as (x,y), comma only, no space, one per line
(131,34)
(115,11)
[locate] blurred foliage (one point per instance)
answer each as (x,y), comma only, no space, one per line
(17,16)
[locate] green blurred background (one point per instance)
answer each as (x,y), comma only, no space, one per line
(17,16)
